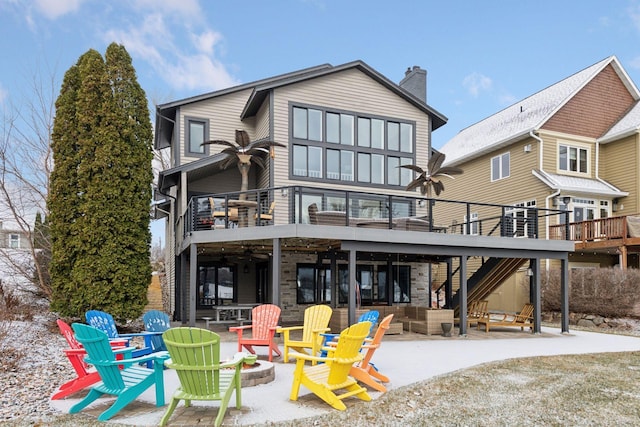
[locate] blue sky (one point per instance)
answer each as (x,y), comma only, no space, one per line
(481,56)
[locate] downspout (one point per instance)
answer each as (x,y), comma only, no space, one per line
(549,197)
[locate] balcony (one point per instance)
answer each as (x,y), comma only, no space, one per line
(600,233)
(271,207)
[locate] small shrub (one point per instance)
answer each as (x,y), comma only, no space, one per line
(608,292)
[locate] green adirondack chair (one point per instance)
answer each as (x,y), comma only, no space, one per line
(127,383)
(195,355)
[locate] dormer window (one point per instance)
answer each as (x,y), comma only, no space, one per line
(573,159)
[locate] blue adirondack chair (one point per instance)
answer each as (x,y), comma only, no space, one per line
(104,322)
(368,316)
(156,321)
(127,383)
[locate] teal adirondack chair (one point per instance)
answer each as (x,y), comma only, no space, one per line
(127,383)
(195,355)
(159,322)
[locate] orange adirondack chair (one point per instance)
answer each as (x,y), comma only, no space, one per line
(316,322)
(364,371)
(264,322)
(85,376)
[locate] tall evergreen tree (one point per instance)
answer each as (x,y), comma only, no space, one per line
(107,239)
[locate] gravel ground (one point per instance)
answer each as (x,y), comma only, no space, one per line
(506,394)
(39,370)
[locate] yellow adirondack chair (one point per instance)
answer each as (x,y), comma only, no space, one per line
(326,378)
(364,371)
(316,321)
(195,355)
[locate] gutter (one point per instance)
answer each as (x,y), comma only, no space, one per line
(549,197)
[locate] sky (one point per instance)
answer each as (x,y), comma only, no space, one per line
(480,56)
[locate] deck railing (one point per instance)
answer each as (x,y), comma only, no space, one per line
(591,230)
(319,206)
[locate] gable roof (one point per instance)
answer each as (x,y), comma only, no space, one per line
(518,120)
(166,112)
(628,125)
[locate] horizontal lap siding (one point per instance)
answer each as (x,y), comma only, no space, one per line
(262,131)
(475,183)
(552,140)
(223,113)
(352,91)
(619,166)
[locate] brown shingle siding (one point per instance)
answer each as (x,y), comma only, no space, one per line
(593,110)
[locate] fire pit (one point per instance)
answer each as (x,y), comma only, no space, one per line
(261,372)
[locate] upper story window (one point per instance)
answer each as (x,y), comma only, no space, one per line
(307,124)
(573,159)
(196,132)
(347,147)
(500,167)
(14,241)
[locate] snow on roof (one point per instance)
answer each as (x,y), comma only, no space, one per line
(519,119)
(628,124)
(575,184)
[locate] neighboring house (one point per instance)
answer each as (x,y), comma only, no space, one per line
(15,257)
(574,146)
(13,238)
(327,220)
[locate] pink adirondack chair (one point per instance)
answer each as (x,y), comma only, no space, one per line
(76,354)
(264,320)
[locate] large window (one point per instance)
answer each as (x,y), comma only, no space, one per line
(500,167)
(197,131)
(375,152)
(313,284)
(307,124)
(573,159)
(216,285)
(307,161)
(400,280)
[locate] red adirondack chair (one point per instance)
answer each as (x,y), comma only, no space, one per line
(264,320)
(85,376)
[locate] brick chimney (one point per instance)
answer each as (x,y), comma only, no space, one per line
(415,82)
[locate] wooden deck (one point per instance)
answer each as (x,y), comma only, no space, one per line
(600,235)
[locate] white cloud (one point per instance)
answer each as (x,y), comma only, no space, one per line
(191,65)
(634,14)
(184,8)
(476,82)
(53,9)
(507,99)
(206,41)
(635,63)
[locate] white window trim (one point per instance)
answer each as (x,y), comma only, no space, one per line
(578,146)
(500,174)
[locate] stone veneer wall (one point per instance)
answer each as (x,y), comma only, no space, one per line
(292,312)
